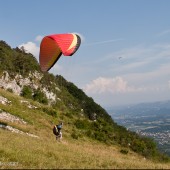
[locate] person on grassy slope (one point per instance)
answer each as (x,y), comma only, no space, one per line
(57,131)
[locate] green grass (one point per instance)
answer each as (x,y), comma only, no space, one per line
(45,152)
(25,152)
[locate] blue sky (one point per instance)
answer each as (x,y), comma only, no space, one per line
(124,57)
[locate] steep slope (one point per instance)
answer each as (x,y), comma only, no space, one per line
(41,150)
(50,101)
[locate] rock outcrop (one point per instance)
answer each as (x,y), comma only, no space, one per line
(17,83)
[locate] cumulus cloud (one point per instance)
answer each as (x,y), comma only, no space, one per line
(30,47)
(109,85)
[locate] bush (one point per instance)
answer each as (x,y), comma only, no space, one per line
(26,92)
(40,96)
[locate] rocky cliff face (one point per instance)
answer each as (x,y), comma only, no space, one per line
(16,84)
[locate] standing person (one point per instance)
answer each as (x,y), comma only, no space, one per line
(57,131)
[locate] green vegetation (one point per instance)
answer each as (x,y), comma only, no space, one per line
(16,60)
(36,95)
(105,129)
(40,96)
(74,108)
(27,92)
(20,151)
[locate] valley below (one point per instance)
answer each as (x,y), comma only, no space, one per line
(148,119)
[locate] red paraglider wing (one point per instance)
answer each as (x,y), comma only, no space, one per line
(53,46)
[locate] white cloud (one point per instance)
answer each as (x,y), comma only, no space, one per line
(141,73)
(109,85)
(118,91)
(39,38)
(31,47)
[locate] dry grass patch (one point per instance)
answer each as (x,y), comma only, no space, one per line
(47,153)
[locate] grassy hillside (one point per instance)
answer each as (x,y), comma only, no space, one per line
(23,151)
(91,138)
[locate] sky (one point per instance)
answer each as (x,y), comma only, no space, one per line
(124,57)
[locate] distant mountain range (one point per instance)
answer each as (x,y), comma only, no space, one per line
(159,107)
(147,119)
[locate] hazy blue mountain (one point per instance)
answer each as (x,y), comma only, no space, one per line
(147,119)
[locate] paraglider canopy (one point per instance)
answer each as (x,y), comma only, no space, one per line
(53,46)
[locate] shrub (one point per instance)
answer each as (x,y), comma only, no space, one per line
(40,96)
(26,92)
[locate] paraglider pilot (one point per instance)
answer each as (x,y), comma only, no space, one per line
(57,131)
